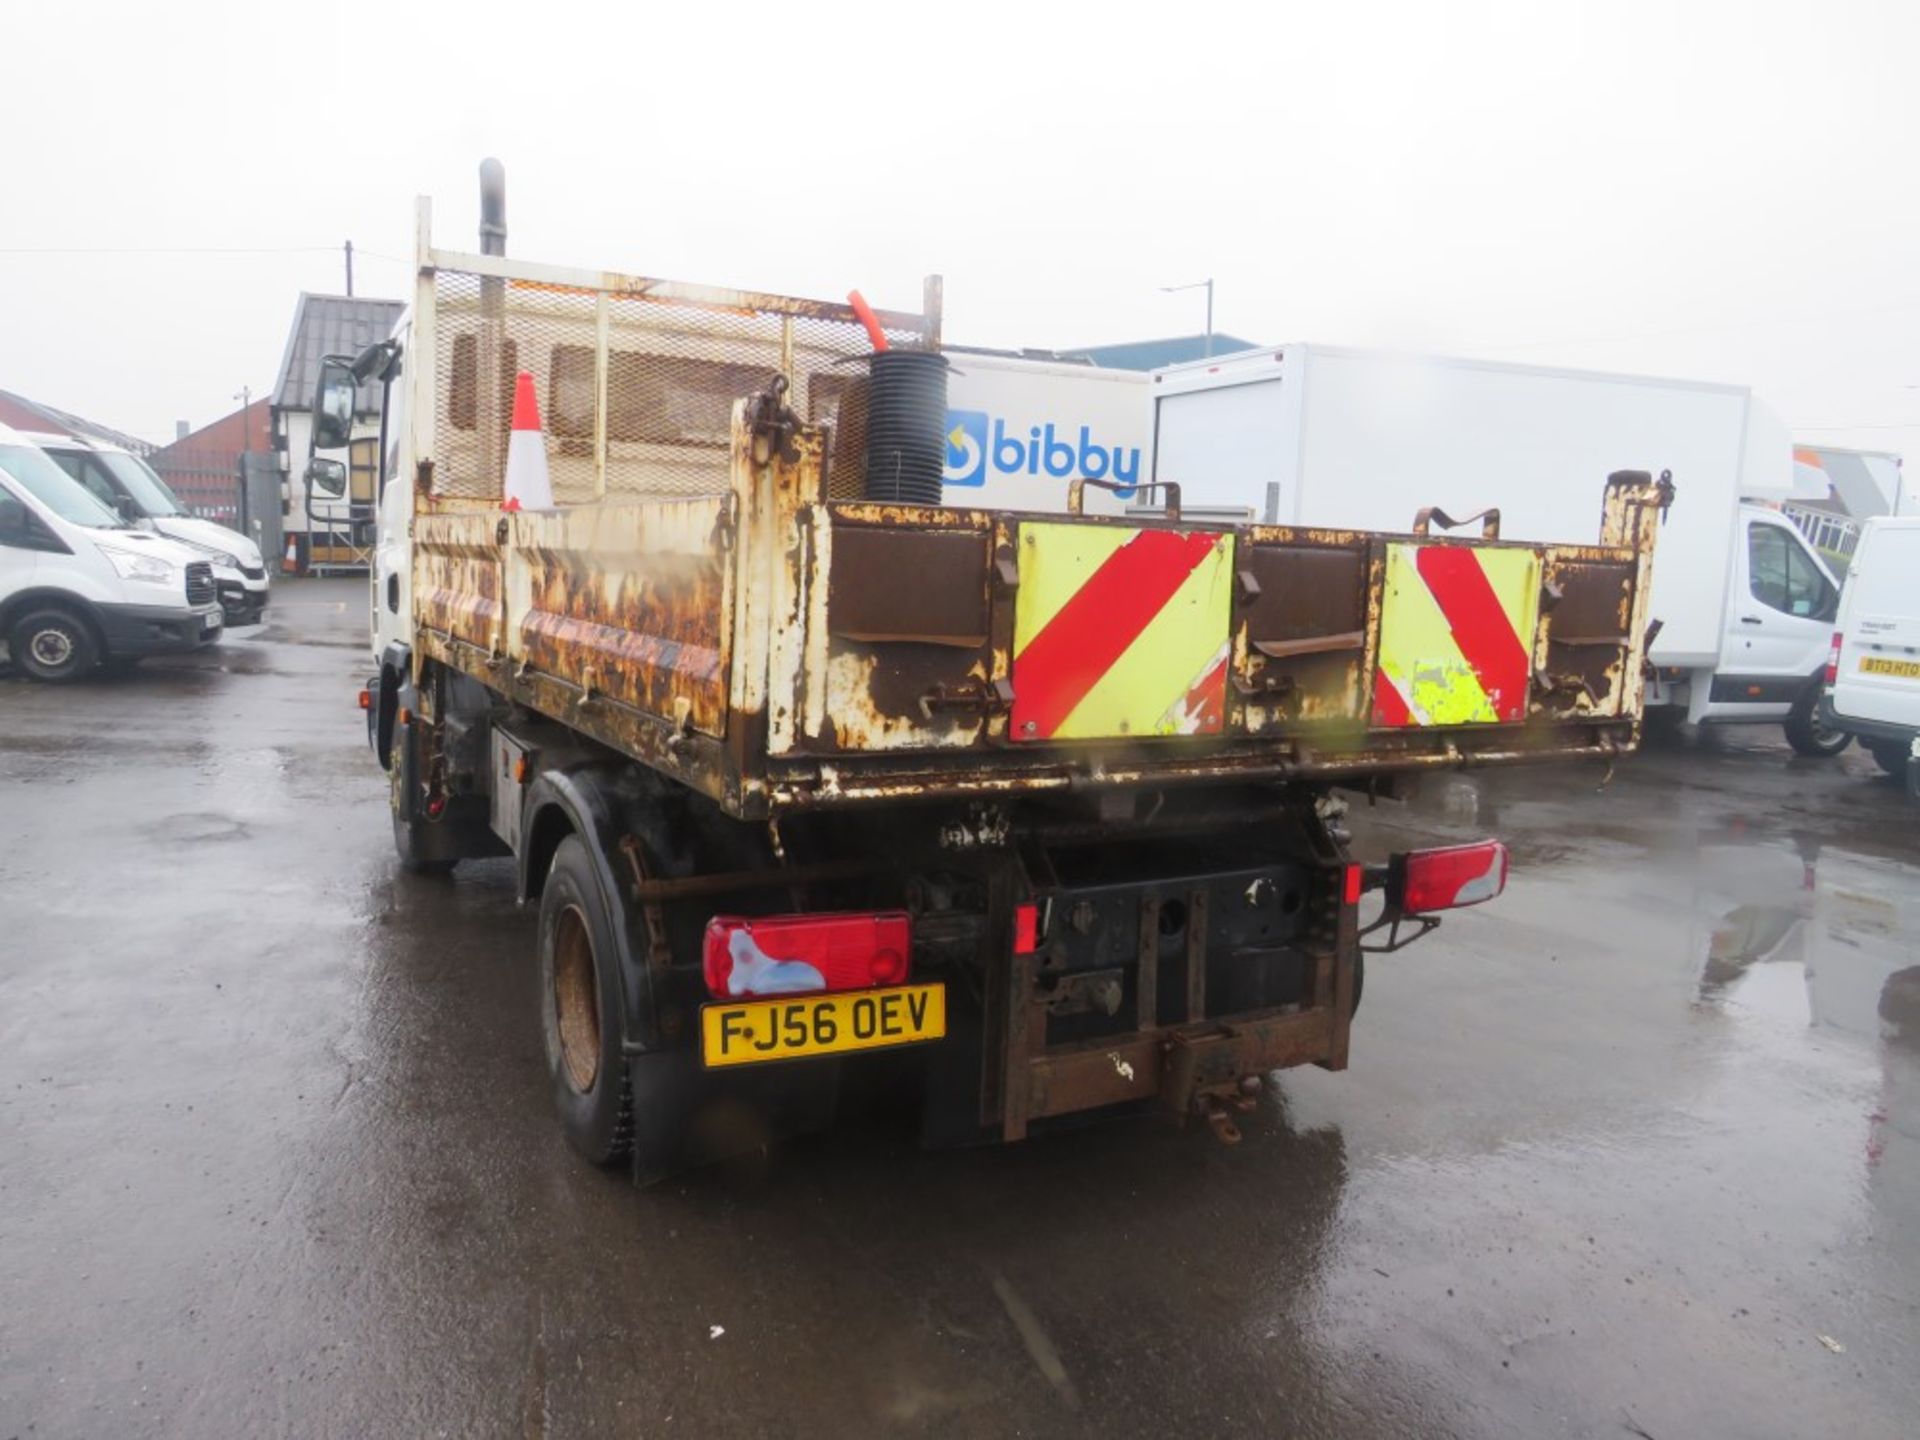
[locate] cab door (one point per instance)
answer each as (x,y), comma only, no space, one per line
(1779,622)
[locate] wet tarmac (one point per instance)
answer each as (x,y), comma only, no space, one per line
(1633,1151)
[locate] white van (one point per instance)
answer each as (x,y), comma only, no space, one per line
(79,585)
(1873,672)
(126,483)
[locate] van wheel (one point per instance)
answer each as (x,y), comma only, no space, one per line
(1890,756)
(52,645)
(1808,735)
(582,1017)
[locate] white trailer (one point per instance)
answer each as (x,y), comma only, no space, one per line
(1020,430)
(1317,435)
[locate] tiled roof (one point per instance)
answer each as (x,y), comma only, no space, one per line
(330,325)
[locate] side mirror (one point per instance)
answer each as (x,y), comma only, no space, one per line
(333,401)
(328,477)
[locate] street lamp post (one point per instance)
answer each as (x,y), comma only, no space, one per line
(1206,284)
(243,509)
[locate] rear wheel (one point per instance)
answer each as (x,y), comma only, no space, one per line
(1808,734)
(581,1008)
(53,645)
(1890,756)
(422,847)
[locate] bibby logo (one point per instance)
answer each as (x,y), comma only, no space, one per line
(978,442)
(966,448)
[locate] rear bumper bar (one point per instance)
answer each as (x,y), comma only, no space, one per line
(1864,729)
(1179,1065)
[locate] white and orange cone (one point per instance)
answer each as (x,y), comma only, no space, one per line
(529,487)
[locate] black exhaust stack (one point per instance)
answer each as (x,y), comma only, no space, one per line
(493,207)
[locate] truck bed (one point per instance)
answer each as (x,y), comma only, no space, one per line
(706,608)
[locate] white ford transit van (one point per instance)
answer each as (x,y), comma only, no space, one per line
(1873,672)
(79,585)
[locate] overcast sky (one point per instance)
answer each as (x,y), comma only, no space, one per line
(1724,192)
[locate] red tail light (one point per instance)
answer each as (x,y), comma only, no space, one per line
(1833,659)
(1026,929)
(798,954)
(1455,876)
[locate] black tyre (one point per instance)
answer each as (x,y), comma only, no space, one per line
(1890,756)
(1808,734)
(582,1011)
(423,848)
(53,645)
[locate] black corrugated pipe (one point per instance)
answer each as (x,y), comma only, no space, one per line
(906,426)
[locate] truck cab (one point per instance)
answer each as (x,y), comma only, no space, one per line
(128,485)
(1780,608)
(79,585)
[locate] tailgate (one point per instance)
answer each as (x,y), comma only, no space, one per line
(975,631)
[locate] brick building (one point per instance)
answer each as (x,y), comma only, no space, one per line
(204,467)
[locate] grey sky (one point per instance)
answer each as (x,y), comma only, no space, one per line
(1719,191)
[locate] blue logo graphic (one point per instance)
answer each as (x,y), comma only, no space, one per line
(978,443)
(966,448)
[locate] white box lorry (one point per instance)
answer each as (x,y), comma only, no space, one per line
(1019,430)
(1324,436)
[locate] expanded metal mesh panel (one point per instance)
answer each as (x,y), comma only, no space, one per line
(672,370)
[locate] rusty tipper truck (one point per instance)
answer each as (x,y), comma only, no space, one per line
(1037,811)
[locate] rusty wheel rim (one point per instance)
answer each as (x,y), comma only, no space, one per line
(576,1000)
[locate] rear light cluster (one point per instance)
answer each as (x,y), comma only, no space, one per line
(799,954)
(1449,878)
(1833,659)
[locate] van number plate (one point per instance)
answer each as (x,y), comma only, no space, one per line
(1876,665)
(758,1031)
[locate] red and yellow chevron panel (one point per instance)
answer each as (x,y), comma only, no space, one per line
(1120,632)
(1456,636)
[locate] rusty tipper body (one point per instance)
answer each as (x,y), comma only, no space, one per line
(1038,807)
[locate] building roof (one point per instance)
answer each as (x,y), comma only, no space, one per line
(1025,352)
(25,414)
(1152,354)
(330,325)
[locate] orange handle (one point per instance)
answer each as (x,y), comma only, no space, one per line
(868,319)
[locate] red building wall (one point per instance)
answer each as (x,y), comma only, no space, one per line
(204,467)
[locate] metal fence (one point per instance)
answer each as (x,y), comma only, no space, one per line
(1837,534)
(208,484)
(636,390)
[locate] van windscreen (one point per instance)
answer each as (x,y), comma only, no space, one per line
(56,489)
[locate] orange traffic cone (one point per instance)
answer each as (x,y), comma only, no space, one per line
(291,564)
(529,487)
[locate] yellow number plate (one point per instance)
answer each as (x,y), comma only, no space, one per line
(757,1031)
(1875,665)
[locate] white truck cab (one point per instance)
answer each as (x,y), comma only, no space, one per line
(1873,672)
(79,585)
(1780,606)
(128,485)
